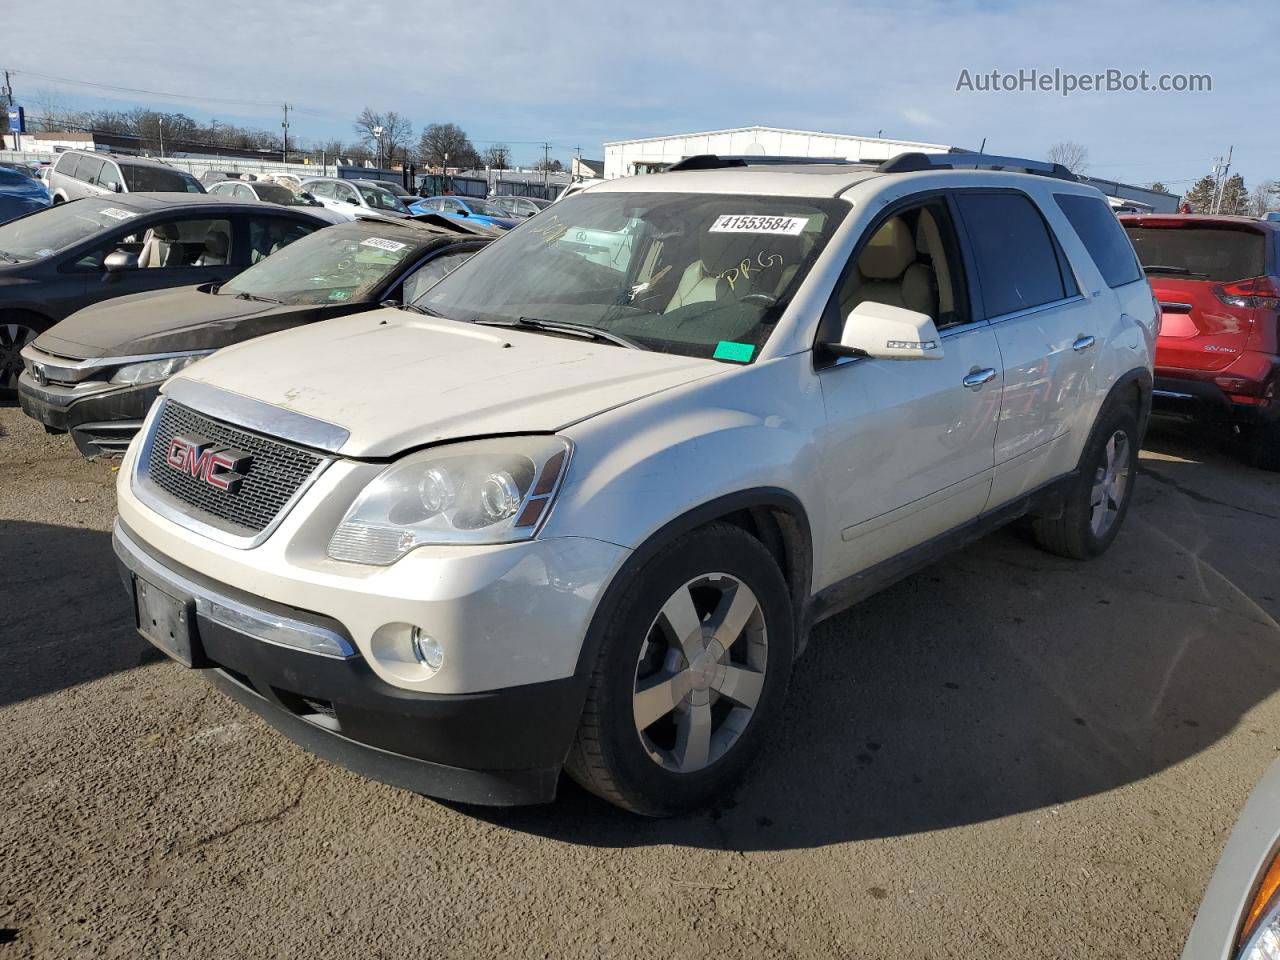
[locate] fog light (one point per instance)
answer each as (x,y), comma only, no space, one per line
(429,653)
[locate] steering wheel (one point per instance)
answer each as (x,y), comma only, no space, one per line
(764,299)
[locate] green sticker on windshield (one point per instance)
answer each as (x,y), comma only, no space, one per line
(737,352)
(339,294)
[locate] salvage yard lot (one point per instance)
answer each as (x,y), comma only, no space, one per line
(1009,754)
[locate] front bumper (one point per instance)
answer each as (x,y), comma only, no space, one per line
(101,419)
(497,747)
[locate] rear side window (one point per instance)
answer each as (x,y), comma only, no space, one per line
(1103,237)
(158,180)
(67,164)
(1199,251)
(1017,259)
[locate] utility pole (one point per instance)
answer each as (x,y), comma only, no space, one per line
(161,121)
(284,149)
(6,94)
(1220,169)
(546,166)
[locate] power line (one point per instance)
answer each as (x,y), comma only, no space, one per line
(150,93)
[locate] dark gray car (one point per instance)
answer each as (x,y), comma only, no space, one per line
(97,373)
(56,261)
(80,173)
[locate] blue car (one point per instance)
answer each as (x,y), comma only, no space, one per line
(471,209)
(20,194)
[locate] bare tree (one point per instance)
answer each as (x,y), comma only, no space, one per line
(447,141)
(497,156)
(50,108)
(395,132)
(552,165)
(1074,156)
(1265,197)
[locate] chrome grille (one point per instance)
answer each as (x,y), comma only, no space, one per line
(278,470)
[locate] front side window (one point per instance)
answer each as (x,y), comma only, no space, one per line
(432,272)
(696,274)
(267,235)
(1103,237)
(147,179)
(380,199)
(1017,260)
(110,177)
(328,266)
(909,261)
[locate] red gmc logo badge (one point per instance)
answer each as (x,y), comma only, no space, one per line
(220,467)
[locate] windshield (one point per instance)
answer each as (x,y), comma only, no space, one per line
(45,233)
(381,199)
(274,193)
(697,274)
(328,266)
(142,179)
(1200,252)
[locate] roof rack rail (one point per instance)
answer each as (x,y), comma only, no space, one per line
(914,162)
(712,161)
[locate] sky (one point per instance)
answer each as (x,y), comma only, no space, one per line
(578,75)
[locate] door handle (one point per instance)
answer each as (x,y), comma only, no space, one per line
(1082,343)
(976,379)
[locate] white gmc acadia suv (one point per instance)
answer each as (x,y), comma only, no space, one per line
(581,504)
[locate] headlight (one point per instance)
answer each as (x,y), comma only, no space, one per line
(1260,935)
(150,370)
(480,491)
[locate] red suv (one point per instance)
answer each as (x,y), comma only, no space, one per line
(1218,283)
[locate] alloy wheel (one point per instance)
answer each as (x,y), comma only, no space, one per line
(700,673)
(1110,484)
(13,337)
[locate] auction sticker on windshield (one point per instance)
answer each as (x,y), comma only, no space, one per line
(115,213)
(747,223)
(389,245)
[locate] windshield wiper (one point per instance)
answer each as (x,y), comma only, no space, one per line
(419,308)
(8,257)
(254,296)
(1180,271)
(557,326)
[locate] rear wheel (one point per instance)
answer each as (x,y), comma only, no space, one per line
(1098,499)
(690,676)
(1262,440)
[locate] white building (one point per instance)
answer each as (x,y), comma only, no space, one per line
(623,158)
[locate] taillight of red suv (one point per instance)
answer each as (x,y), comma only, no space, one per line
(1255,292)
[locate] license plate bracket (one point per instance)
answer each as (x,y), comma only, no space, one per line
(164,620)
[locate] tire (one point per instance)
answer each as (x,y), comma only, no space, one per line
(1263,450)
(16,331)
(1098,499)
(704,715)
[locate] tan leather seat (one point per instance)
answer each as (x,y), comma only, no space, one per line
(929,242)
(160,248)
(718,273)
(889,273)
(216,246)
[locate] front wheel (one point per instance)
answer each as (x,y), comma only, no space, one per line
(13,337)
(1098,498)
(691,674)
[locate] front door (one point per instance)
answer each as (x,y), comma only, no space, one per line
(909,444)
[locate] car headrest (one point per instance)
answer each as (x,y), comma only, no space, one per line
(217,243)
(165,231)
(889,251)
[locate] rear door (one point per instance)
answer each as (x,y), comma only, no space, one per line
(1198,269)
(1045,328)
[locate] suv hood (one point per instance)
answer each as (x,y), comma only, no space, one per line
(397,380)
(161,321)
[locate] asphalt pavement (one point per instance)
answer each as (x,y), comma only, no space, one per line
(1007,755)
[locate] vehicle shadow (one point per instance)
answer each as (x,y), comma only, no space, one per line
(64,617)
(1003,680)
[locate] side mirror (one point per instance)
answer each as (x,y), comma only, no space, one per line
(461,213)
(889,333)
(119,188)
(119,261)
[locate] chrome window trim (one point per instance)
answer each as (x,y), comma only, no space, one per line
(272,421)
(308,634)
(1040,308)
(180,513)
